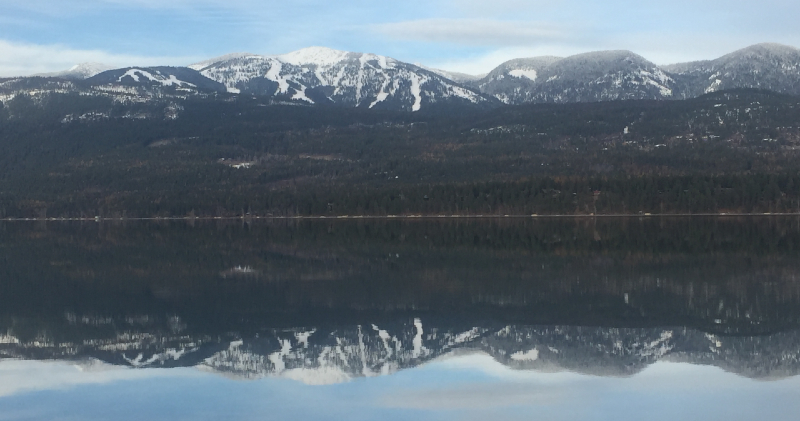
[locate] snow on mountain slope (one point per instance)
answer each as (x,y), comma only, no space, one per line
(320,56)
(322,75)
(205,63)
(319,75)
(606,75)
(511,81)
(454,76)
(766,66)
(163,77)
(80,71)
(342,353)
(597,76)
(157,77)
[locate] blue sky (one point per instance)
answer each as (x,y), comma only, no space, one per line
(465,388)
(471,36)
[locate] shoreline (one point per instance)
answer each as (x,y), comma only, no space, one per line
(390,217)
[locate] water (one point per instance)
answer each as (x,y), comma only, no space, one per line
(668,318)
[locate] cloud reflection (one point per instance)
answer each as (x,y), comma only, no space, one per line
(461,387)
(18,376)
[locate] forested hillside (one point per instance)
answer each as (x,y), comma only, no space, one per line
(67,155)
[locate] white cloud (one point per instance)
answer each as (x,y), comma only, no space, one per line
(17,376)
(476,396)
(472,31)
(18,59)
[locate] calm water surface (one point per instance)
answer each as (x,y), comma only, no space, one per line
(607,319)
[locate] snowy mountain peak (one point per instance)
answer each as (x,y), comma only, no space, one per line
(342,353)
(769,47)
(595,76)
(80,71)
(319,75)
(529,63)
(88,70)
(774,67)
(609,55)
(602,61)
(205,63)
(321,56)
(757,53)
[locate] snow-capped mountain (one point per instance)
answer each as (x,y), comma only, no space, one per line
(513,80)
(613,75)
(337,354)
(128,85)
(598,76)
(80,71)
(320,75)
(773,67)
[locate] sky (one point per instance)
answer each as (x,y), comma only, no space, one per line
(470,36)
(463,388)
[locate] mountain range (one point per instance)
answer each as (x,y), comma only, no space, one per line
(323,76)
(325,355)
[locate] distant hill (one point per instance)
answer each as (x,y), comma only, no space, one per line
(613,75)
(161,77)
(765,66)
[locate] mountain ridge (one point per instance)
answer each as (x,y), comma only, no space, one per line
(79,71)
(319,75)
(325,76)
(320,356)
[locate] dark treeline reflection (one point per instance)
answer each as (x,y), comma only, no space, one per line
(734,276)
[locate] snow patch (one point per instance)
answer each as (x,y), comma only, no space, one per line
(416,92)
(130,73)
(530,355)
(523,73)
(165,81)
(464,93)
(274,74)
(302,337)
(418,350)
(384,335)
(301,95)
(714,86)
(467,336)
(382,95)
(276,358)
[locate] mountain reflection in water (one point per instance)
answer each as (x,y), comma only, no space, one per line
(327,302)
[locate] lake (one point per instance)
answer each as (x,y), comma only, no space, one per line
(529,318)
